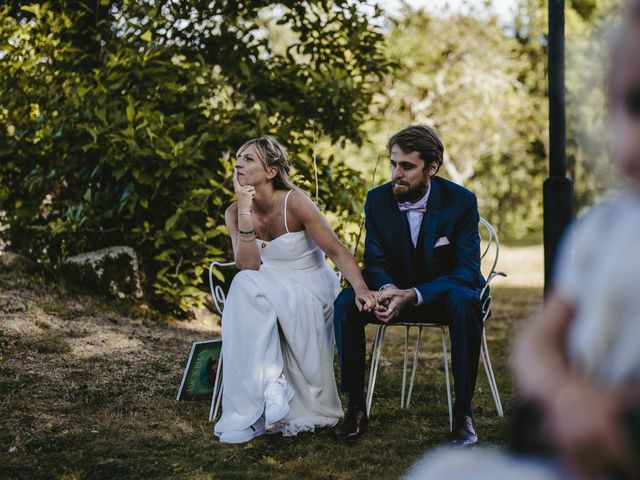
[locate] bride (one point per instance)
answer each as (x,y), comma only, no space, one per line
(277,323)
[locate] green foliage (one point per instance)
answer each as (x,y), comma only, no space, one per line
(483,87)
(118,122)
(587,26)
(466,77)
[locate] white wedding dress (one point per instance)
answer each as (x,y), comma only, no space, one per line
(279,321)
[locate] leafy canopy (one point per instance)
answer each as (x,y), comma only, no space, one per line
(119,121)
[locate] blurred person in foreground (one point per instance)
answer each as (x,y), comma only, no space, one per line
(578,364)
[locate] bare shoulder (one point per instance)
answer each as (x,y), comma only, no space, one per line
(301,210)
(300,202)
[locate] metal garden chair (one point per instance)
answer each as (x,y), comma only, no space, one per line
(493,244)
(218,296)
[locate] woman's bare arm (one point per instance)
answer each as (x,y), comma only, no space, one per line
(245,252)
(306,212)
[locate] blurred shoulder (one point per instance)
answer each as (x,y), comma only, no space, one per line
(615,209)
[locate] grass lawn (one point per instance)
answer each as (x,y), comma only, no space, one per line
(88,386)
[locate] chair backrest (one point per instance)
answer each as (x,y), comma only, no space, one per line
(490,253)
(217,292)
(491,250)
(218,295)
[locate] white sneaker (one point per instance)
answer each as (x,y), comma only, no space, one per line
(242,436)
(276,400)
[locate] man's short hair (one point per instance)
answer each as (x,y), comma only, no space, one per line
(421,139)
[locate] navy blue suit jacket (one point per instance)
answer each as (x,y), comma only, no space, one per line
(452,212)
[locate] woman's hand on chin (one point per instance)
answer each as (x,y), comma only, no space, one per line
(244,193)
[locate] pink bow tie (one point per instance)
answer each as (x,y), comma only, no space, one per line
(416,207)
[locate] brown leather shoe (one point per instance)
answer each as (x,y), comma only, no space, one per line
(463,434)
(352,426)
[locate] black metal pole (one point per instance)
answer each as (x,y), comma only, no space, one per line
(557,188)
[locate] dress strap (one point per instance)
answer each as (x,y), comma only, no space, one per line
(285,210)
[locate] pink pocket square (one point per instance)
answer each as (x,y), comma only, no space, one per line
(442,241)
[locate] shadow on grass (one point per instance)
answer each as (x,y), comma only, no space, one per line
(111,413)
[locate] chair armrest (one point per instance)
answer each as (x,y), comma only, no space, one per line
(487,301)
(494,275)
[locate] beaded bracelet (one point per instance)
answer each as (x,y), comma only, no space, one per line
(247,238)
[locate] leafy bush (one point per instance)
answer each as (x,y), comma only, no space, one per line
(118,122)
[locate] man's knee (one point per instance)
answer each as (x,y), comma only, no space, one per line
(462,300)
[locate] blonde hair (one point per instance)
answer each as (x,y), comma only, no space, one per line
(272,154)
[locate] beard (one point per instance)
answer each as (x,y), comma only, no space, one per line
(403,192)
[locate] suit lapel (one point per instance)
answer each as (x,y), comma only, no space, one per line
(429,224)
(401,232)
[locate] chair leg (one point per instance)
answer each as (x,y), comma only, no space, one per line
(217,392)
(415,363)
(374,352)
(446,375)
(489,380)
(490,375)
(404,366)
(219,401)
(375,360)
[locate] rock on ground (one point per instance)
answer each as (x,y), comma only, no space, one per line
(15,261)
(112,270)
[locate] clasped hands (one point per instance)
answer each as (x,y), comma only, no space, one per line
(386,304)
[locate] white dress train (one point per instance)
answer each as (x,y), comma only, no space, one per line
(277,321)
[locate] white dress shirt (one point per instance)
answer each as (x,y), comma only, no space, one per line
(415,221)
(415,218)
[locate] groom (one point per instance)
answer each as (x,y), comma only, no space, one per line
(422,251)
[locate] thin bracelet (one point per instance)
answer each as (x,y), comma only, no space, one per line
(248,212)
(247,239)
(248,232)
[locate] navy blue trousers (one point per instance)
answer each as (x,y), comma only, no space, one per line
(459,309)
